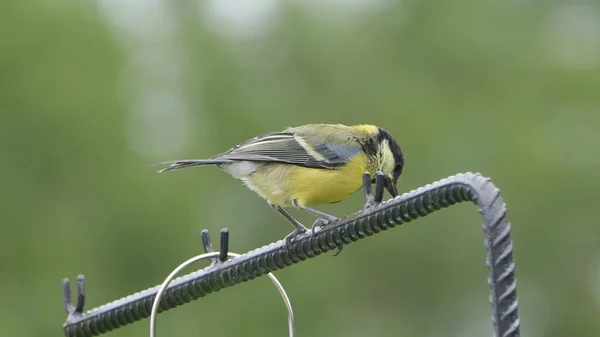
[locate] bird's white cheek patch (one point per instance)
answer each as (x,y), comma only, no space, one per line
(387,162)
(241,169)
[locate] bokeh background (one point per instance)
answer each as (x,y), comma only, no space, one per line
(93,92)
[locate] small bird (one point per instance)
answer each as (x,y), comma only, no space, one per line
(309,165)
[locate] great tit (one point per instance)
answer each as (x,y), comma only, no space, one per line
(309,165)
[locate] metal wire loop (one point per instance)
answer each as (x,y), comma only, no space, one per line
(208,256)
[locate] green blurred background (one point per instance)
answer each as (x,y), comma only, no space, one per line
(92,92)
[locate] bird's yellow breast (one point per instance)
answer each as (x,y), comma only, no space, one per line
(280,184)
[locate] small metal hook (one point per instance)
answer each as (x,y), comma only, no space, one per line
(222,255)
(206,243)
(373,199)
(379,187)
(366,184)
(76,309)
(224,248)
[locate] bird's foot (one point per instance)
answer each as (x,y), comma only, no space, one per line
(339,250)
(290,237)
(369,204)
(321,223)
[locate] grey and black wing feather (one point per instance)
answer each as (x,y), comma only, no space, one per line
(292,148)
(287,147)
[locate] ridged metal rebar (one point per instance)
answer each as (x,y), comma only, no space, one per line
(402,209)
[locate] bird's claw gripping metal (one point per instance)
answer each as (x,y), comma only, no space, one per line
(318,224)
(290,237)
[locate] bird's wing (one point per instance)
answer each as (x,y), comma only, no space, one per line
(293,148)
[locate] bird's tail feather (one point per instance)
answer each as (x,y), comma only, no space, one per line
(179,164)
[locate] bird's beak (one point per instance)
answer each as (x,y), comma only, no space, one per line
(390,185)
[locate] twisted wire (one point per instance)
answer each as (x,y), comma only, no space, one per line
(402,209)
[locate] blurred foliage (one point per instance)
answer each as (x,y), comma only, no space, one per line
(506,88)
